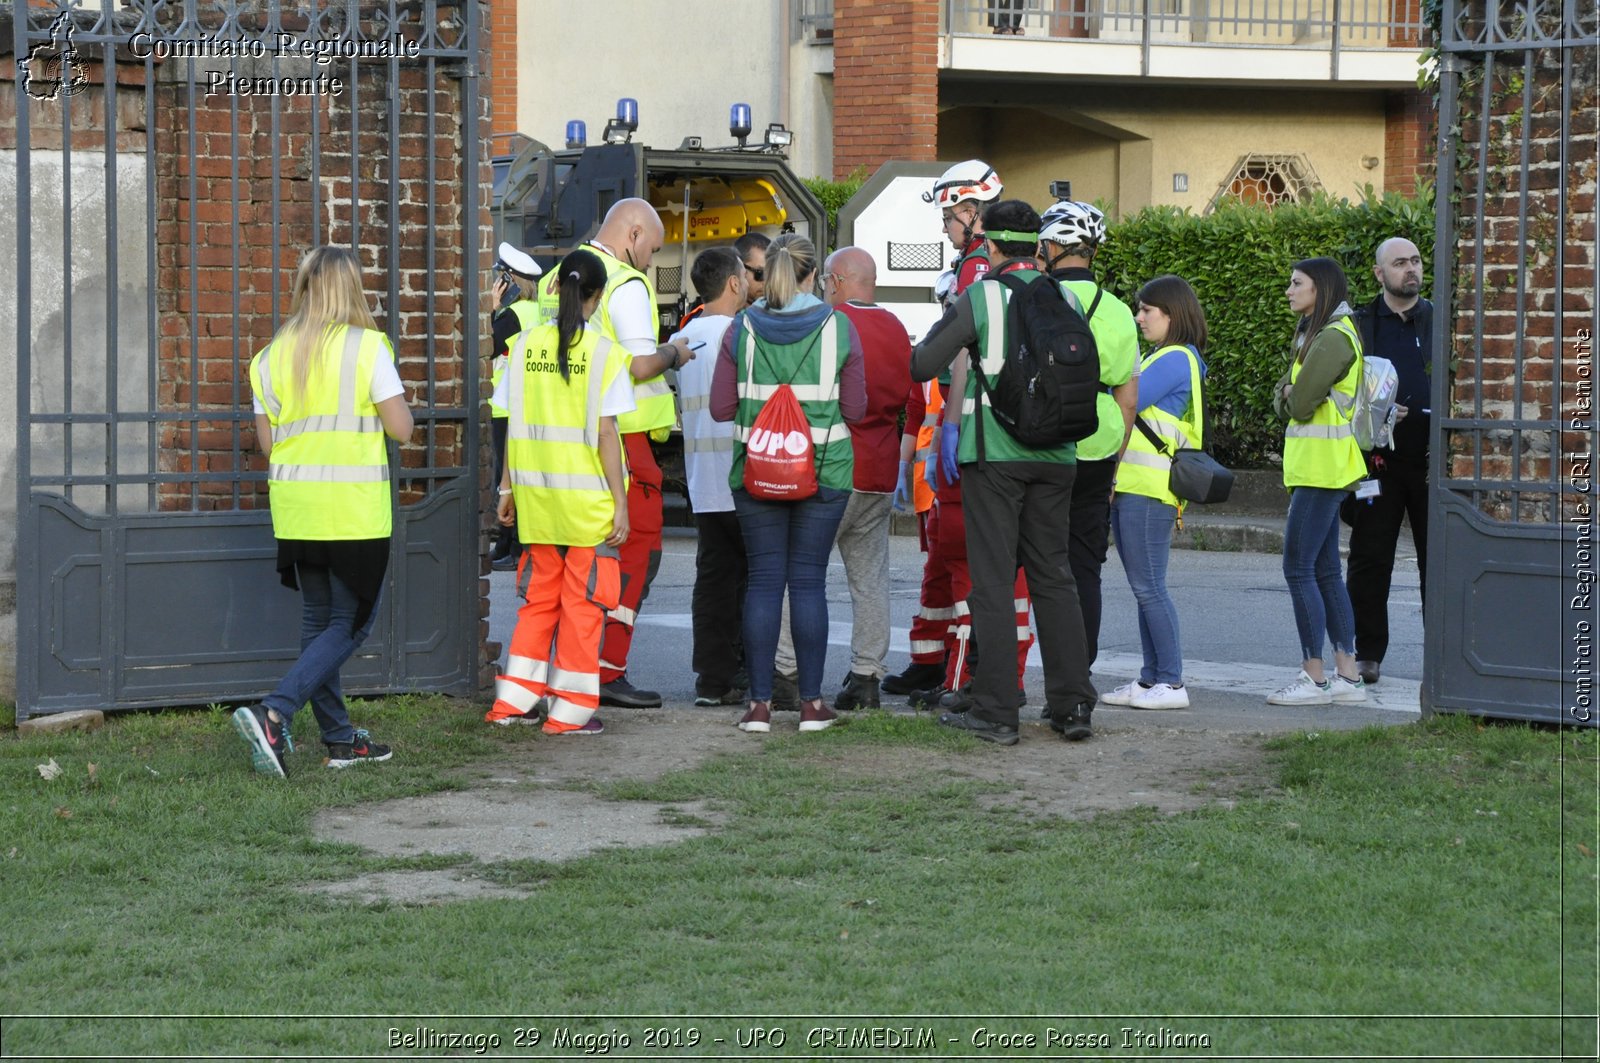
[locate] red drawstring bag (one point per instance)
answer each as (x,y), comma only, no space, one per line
(778,465)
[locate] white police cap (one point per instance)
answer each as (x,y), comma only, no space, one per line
(518,262)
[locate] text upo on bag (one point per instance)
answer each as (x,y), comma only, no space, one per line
(778,455)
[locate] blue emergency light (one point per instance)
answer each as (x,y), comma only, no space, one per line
(739,121)
(577,133)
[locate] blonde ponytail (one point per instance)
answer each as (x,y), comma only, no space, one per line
(791,260)
(327,294)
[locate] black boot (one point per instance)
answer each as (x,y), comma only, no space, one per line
(915,677)
(859,692)
(1072,725)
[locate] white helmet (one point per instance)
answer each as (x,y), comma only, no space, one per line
(1069,224)
(973,179)
(944,289)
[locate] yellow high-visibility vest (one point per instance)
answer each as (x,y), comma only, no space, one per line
(329,476)
(553,437)
(1322,451)
(529,313)
(653,397)
(1145,470)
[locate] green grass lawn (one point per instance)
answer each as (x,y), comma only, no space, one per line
(1419,890)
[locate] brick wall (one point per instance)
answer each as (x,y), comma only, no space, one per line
(1523,344)
(502,69)
(1410,132)
(885,83)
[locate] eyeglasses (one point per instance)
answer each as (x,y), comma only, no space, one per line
(756,272)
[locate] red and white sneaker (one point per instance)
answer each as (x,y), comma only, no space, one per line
(816,716)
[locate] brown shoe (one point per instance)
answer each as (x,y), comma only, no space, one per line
(758,719)
(816,716)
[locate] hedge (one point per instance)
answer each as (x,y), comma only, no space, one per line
(1238,260)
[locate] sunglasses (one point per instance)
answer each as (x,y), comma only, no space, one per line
(756,272)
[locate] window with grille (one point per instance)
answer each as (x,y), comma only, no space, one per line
(1268,180)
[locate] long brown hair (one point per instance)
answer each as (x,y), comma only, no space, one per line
(1328,278)
(1186,318)
(327,294)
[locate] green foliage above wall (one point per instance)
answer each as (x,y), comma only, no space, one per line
(1238,260)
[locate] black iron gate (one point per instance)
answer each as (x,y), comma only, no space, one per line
(173,160)
(1511,611)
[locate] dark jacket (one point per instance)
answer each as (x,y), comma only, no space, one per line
(1412,434)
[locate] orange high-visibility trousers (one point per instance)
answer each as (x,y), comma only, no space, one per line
(641,553)
(555,649)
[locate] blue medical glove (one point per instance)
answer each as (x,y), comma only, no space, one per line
(949,444)
(902,489)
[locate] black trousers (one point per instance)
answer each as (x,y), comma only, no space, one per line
(717,604)
(1374,534)
(505,536)
(1013,512)
(1090,534)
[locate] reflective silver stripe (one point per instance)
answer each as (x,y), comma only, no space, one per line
(918,646)
(574,682)
(557,481)
(803,392)
(269,397)
(960,609)
(530,668)
(1023,634)
(564,711)
(969,406)
(1146,460)
(514,694)
(945,613)
(326,422)
(347,369)
(1345,404)
(828,357)
(613,667)
(1320,431)
(329,474)
(623,615)
(994,348)
(931,420)
(1020,604)
(708,444)
(922,455)
(649,389)
(693,403)
(545,433)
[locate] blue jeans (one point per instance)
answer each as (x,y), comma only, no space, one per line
(1143,529)
(1311,568)
(787,544)
(327,639)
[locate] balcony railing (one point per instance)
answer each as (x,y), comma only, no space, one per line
(816,20)
(1311,24)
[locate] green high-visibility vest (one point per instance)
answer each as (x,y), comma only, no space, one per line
(1322,451)
(329,475)
(1116,338)
(811,367)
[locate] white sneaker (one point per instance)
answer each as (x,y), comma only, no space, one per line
(1303,691)
(1348,691)
(1161,696)
(1124,694)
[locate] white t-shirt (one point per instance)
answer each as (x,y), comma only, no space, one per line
(385,379)
(707,444)
(617,399)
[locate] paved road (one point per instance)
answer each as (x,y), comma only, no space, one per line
(1237,627)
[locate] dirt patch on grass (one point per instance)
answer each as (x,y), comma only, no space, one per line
(532,806)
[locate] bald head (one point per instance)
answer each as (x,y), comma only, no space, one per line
(632,230)
(849,274)
(1398,267)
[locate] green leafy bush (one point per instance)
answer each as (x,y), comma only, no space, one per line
(835,194)
(1238,261)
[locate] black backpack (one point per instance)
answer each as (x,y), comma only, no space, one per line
(1046,392)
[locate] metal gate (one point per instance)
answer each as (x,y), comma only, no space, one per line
(173,160)
(1511,614)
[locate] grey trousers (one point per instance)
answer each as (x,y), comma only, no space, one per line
(863,544)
